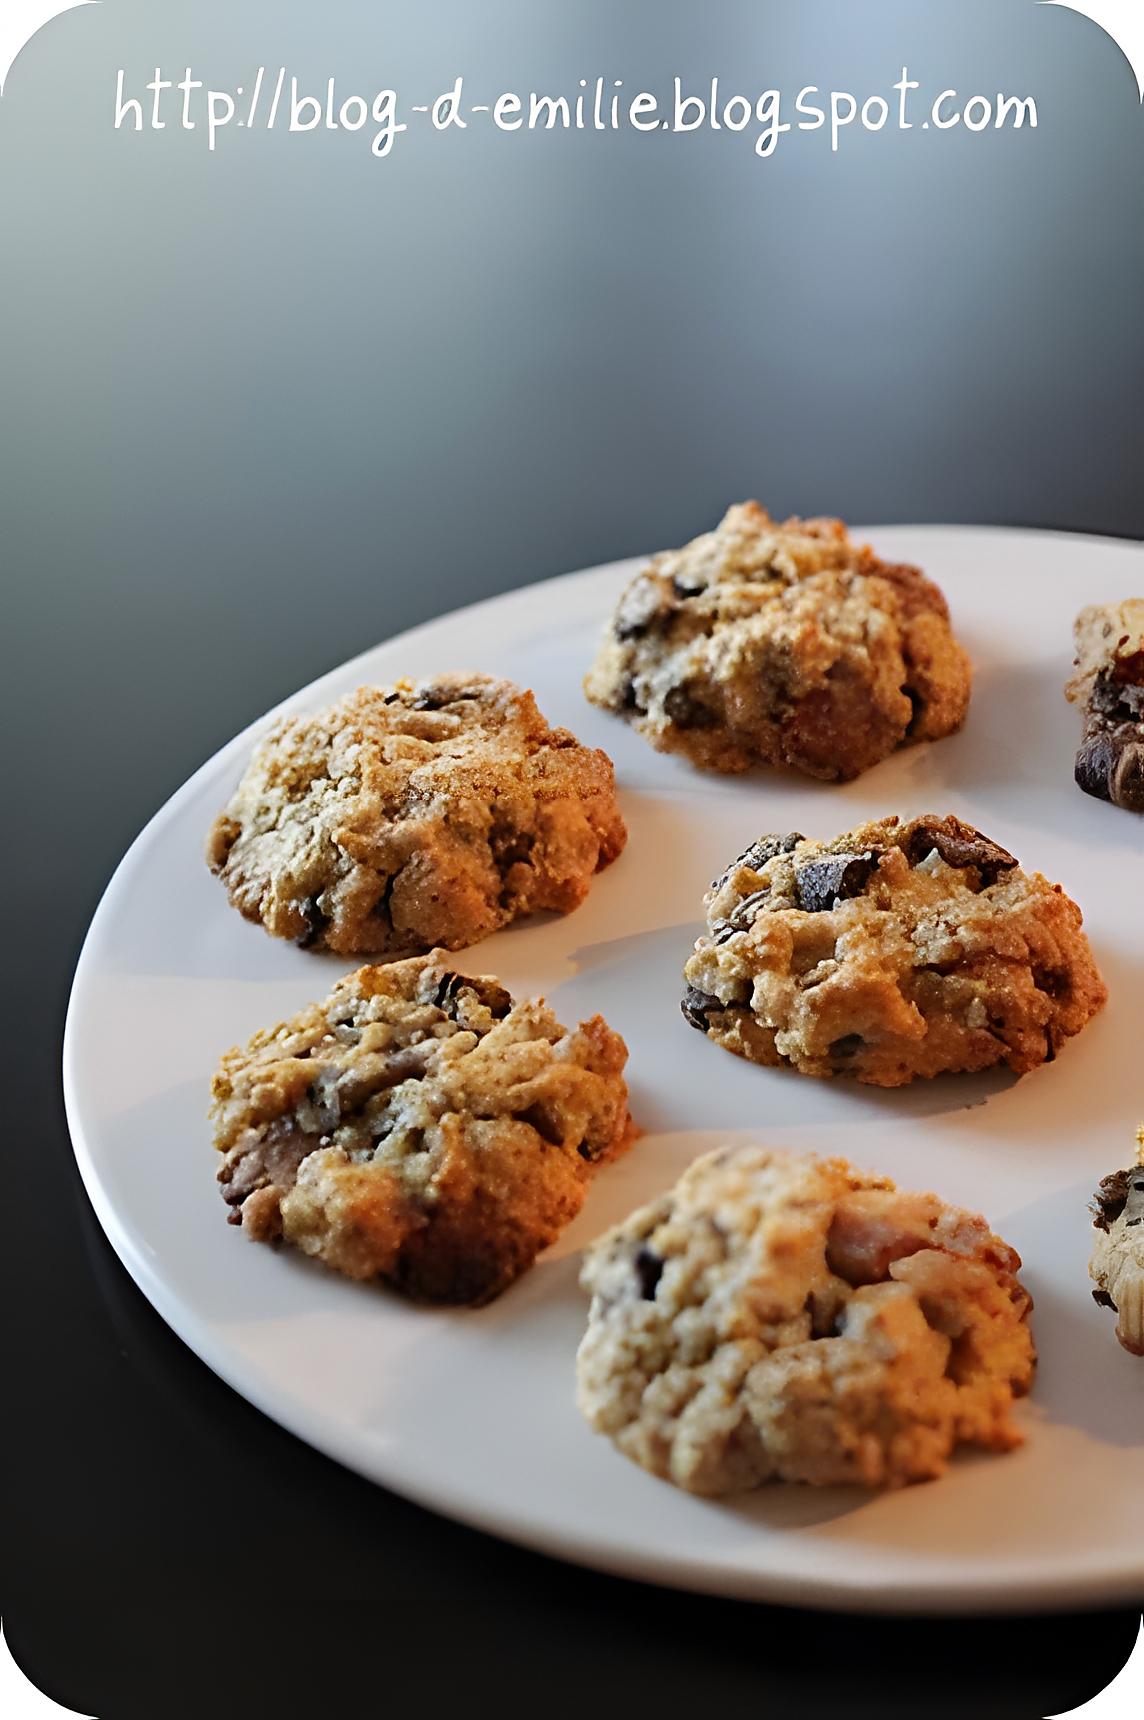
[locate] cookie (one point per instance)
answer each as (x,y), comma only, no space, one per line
(781,644)
(795,1319)
(1117,1264)
(420,1127)
(898,949)
(417,816)
(1109,688)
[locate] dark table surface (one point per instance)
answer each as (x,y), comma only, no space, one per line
(171,1552)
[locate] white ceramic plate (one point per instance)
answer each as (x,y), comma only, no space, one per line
(472,1413)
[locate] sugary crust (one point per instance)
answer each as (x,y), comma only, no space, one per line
(800,1320)
(420,1127)
(421,815)
(783,644)
(897,950)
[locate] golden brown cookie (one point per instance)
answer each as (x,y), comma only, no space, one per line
(781,644)
(896,950)
(420,1127)
(421,815)
(783,1318)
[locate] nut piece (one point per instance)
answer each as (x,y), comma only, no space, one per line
(1109,687)
(958,844)
(821,884)
(1117,1264)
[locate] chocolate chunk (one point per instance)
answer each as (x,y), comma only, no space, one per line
(695,1006)
(687,586)
(1110,765)
(1110,1199)
(958,844)
(848,1046)
(1117,694)
(433,699)
(1104,1300)
(821,883)
(757,855)
(316,923)
(688,712)
(1106,700)
(447,990)
(1128,670)
(649,1271)
(1127,785)
(743,916)
(495,998)
(1095,764)
(1134,1204)
(1110,658)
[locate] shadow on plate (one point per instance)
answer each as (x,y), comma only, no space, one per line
(992,759)
(1084,1378)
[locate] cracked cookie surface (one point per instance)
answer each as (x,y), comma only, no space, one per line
(419,1126)
(899,949)
(783,1318)
(422,815)
(782,644)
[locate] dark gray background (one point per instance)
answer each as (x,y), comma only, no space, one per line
(264,407)
(260,409)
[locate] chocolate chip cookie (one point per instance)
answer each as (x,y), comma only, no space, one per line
(898,949)
(1109,687)
(782,644)
(426,814)
(783,1318)
(420,1127)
